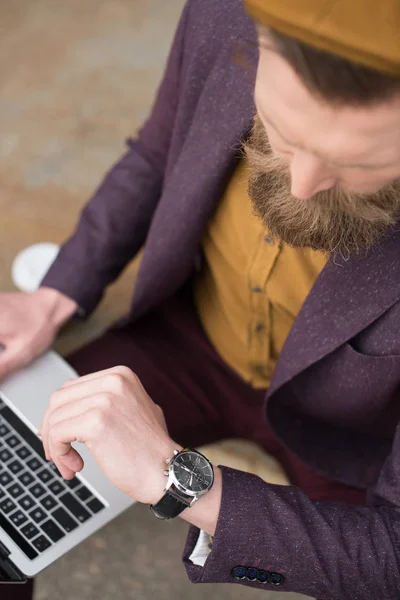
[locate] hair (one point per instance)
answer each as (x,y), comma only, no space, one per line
(330,77)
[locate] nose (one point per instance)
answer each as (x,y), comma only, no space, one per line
(309,175)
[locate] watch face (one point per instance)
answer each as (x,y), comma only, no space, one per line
(193,471)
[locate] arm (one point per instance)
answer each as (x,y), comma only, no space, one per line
(326,550)
(333,551)
(114,224)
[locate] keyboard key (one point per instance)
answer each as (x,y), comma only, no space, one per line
(26,502)
(23,452)
(54,469)
(52,530)
(75,507)
(41,543)
(56,487)
(18,518)
(5,478)
(12,441)
(5,455)
(45,475)
(73,483)
(37,490)
(48,502)
(15,467)
(15,490)
(7,506)
(23,430)
(26,478)
(62,517)
(83,493)
(4,429)
(34,464)
(37,515)
(95,505)
(15,535)
(29,531)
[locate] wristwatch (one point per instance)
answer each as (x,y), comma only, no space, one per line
(190,476)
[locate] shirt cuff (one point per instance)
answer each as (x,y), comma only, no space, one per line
(202,549)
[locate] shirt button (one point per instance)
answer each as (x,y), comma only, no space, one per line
(257,289)
(268,240)
(260,327)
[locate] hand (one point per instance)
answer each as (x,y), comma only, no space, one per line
(29,324)
(124,430)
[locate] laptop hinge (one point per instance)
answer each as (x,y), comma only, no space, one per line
(9,573)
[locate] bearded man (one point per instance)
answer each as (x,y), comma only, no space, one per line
(265,187)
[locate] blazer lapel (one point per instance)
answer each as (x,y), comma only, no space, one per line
(221,119)
(347,297)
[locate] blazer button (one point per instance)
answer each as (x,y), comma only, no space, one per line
(239,572)
(252,574)
(263,577)
(276,579)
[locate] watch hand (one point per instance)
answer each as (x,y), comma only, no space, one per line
(185,468)
(191,479)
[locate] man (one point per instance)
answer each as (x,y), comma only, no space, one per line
(271,316)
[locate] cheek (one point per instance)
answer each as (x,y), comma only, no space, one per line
(363,183)
(278,146)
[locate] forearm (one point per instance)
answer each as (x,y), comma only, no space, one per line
(323,550)
(111,230)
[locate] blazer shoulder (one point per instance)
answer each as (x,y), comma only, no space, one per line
(214,23)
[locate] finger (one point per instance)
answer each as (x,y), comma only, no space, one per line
(66,395)
(120,370)
(72,410)
(70,464)
(12,357)
(64,433)
(110,380)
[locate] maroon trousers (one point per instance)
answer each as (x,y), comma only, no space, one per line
(202,398)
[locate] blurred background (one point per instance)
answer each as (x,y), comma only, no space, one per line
(77,78)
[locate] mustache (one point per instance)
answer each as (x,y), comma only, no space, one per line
(331,221)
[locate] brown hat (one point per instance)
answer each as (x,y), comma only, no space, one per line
(363,31)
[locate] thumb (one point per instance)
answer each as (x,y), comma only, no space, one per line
(13,356)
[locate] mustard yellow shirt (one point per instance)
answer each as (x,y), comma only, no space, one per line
(251,288)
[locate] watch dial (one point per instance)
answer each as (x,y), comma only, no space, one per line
(193,471)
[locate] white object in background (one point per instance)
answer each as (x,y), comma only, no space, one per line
(31,265)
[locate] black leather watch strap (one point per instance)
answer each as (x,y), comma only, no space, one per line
(168,507)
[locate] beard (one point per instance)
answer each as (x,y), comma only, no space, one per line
(332,221)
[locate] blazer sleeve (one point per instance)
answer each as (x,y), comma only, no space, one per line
(114,223)
(274,537)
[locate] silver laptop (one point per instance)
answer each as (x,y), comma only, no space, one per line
(42,516)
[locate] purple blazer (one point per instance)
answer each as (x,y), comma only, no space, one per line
(334,399)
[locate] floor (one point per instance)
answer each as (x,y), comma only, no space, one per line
(77,79)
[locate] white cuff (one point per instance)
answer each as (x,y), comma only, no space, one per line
(201,550)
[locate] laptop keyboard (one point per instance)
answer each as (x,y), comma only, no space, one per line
(37,506)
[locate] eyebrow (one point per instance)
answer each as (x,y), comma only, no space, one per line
(337,164)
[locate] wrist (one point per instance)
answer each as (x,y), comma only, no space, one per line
(204,513)
(60,308)
(160,479)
